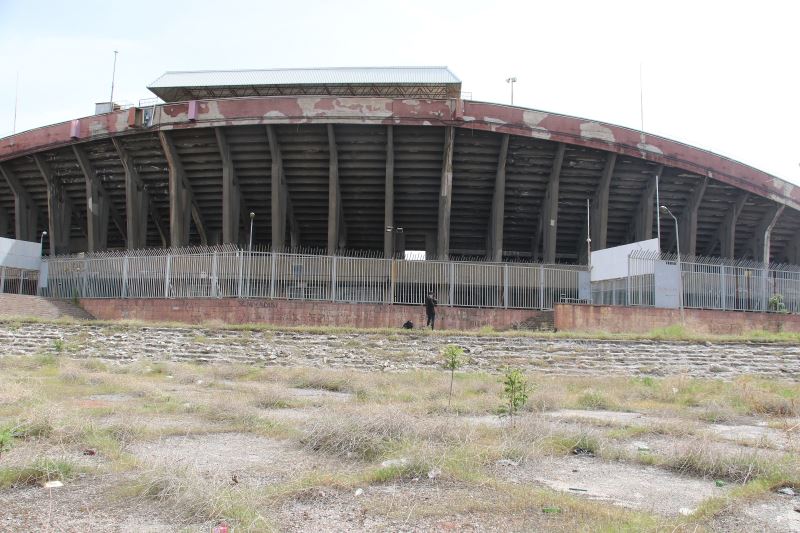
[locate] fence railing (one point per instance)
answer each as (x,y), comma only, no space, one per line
(18,281)
(706,283)
(228,273)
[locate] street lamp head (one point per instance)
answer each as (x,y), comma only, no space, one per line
(44,233)
(664,209)
(512,79)
(252,215)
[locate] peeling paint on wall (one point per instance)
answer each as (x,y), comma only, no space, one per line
(644,147)
(594,130)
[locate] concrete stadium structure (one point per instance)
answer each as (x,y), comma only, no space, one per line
(384,160)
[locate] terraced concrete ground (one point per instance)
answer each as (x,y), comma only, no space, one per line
(164,429)
(403,350)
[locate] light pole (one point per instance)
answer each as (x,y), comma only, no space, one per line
(666,210)
(512,80)
(41,241)
(250,253)
(113,75)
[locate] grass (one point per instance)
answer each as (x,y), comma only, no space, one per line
(204,331)
(343,440)
(37,473)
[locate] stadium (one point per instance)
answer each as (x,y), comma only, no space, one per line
(378,160)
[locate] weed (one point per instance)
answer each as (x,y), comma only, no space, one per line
(37,473)
(594,400)
(58,345)
(6,439)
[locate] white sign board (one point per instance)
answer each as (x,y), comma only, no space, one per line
(20,254)
(612,263)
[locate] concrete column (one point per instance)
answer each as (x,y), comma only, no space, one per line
(136,200)
(59,209)
(727,231)
(336,226)
(760,242)
(549,217)
(643,218)
(446,196)
(494,246)
(389,230)
(25,211)
(599,207)
(231,193)
(279,194)
(98,205)
(688,220)
(179,196)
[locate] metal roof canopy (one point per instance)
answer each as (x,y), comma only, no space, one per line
(389,82)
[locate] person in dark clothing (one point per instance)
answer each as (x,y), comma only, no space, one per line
(430,309)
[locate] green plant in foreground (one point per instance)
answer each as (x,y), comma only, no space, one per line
(6,439)
(58,345)
(452,361)
(515,393)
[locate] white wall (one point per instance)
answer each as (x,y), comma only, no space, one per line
(612,263)
(20,254)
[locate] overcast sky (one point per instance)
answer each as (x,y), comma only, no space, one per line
(721,75)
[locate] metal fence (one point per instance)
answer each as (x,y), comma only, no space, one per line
(226,272)
(18,281)
(707,283)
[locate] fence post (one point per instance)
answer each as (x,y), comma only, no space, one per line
(452,275)
(85,281)
(125,277)
(333,278)
(392,279)
(505,285)
(764,285)
(3,280)
(21,280)
(214,276)
(167,268)
(239,281)
(273,269)
(541,287)
(722,288)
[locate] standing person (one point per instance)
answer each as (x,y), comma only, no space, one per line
(430,309)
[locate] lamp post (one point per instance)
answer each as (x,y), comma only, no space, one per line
(666,210)
(41,241)
(512,80)
(250,252)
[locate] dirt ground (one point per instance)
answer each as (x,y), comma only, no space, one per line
(164,445)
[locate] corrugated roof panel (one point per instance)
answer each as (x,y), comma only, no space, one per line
(318,76)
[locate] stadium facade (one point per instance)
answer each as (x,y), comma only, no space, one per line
(381,160)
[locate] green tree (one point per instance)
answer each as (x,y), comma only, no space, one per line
(452,361)
(515,393)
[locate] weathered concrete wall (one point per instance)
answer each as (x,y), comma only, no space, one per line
(305,313)
(618,319)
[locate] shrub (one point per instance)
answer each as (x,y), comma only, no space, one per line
(515,393)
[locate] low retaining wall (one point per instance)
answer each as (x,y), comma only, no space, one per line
(306,313)
(619,319)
